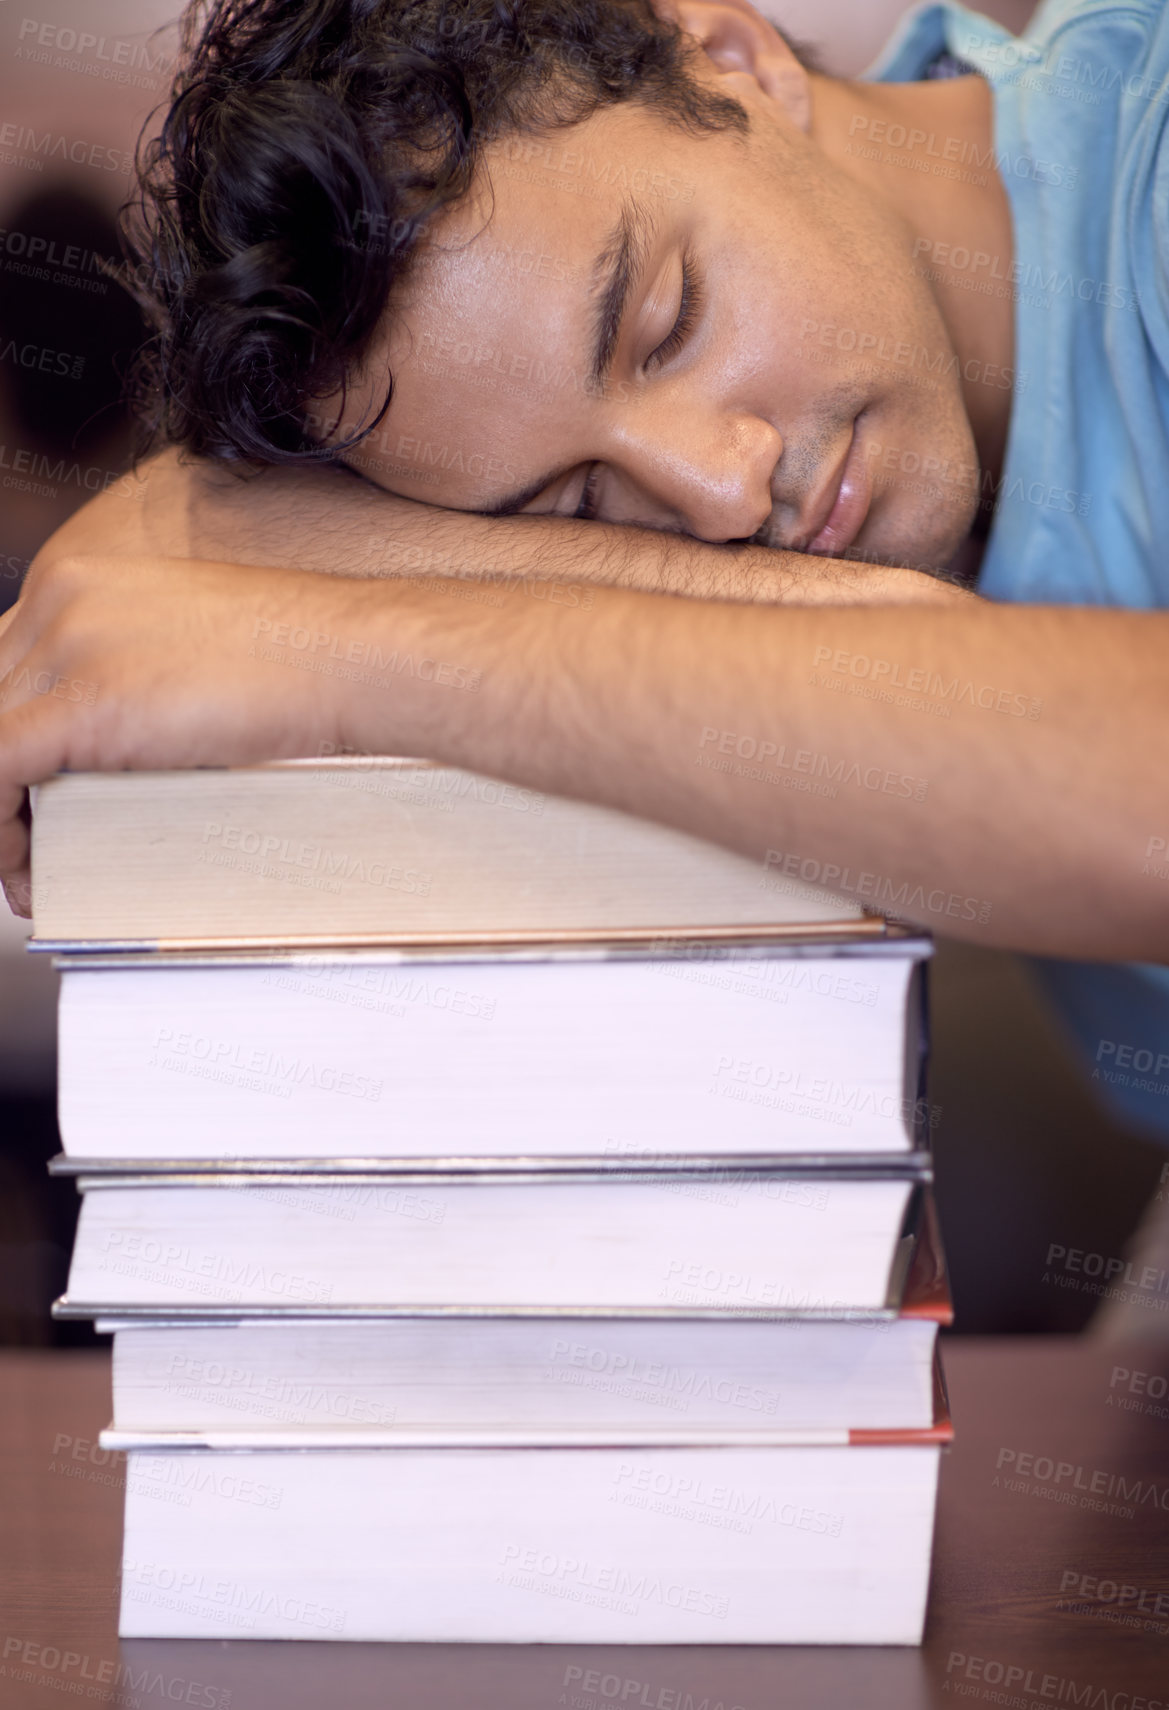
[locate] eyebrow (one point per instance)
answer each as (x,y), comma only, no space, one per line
(617,269)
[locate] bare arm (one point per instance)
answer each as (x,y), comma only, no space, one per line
(328,519)
(1014,795)
(993,770)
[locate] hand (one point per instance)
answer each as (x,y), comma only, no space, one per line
(111,664)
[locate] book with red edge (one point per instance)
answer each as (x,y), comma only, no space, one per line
(395,1380)
(639,1543)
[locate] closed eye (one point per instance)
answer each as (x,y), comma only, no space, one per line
(690,302)
(586,511)
(689,308)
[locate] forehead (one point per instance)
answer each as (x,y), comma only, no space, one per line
(489,344)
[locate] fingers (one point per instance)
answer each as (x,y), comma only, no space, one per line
(33,746)
(15,873)
(51,585)
(7,619)
(18,892)
(13,646)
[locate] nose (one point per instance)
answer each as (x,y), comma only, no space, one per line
(703,470)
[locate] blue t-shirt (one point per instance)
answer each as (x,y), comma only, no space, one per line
(1081,111)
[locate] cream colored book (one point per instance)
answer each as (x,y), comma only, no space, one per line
(362,850)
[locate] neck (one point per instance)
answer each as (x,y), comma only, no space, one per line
(926,149)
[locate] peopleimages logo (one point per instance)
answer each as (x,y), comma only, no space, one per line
(714,1504)
(602,1584)
(35,471)
(921,679)
(107,57)
(332,864)
(64,1671)
(1045,1470)
(229,1602)
(675,1386)
(594,1689)
(806,766)
(964,1670)
(211,1275)
(1153,1279)
(51,145)
(280,640)
(43,359)
(1147,1392)
(279,1070)
(1134,1066)
(903,899)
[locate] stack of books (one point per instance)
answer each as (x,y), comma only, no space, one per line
(513,1218)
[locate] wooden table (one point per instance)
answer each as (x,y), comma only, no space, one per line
(1008,1626)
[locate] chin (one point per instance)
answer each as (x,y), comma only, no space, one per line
(916,542)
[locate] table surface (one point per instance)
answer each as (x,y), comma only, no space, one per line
(1001,1630)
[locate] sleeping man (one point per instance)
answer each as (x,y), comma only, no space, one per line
(638,385)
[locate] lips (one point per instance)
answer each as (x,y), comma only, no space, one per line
(849,503)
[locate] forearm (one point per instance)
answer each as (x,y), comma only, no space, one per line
(327,519)
(994,771)
(1008,799)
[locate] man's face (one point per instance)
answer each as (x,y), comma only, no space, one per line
(709,333)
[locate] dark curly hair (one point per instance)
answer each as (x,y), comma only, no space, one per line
(306,146)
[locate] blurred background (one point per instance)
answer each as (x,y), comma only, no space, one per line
(1025,1158)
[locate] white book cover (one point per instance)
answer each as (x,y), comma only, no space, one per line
(390,1379)
(664,1546)
(703,1050)
(490,1246)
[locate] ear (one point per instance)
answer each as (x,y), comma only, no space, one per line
(740,42)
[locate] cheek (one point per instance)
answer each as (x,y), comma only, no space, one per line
(815,327)
(925,477)
(846,279)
